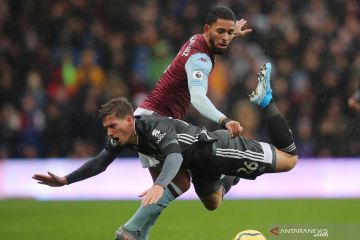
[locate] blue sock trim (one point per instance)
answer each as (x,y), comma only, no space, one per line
(266,100)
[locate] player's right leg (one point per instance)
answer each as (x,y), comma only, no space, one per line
(278,129)
(145,217)
(262,95)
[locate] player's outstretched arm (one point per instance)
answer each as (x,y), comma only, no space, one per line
(238,28)
(51,179)
(90,168)
(198,68)
(202,103)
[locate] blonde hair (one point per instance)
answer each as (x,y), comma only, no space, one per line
(121,107)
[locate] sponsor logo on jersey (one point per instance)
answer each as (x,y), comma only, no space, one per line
(156,133)
(198,75)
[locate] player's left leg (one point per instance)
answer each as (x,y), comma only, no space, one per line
(145,217)
(179,185)
(142,221)
(123,234)
(214,200)
(211,189)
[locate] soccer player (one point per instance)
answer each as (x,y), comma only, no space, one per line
(185,82)
(177,144)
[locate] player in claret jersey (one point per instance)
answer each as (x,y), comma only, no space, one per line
(185,82)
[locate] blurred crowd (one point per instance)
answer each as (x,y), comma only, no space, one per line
(60,60)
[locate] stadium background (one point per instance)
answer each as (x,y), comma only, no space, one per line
(59,60)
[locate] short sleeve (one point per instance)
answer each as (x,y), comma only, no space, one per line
(198,68)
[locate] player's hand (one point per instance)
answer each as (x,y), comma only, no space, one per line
(353,103)
(234,128)
(51,179)
(238,28)
(152,195)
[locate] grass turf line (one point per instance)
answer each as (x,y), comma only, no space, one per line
(183,220)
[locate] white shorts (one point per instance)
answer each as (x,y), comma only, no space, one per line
(146,161)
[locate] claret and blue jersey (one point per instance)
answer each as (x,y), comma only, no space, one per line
(191,67)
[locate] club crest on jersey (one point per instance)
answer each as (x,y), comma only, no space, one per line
(156,133)
(198,75)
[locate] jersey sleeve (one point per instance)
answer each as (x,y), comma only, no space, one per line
(92,167)
(160,132)
(203,104)
(198,68)
(169,170)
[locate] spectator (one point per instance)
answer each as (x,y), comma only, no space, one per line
(73,55)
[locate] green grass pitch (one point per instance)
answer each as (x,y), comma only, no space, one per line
(183,220)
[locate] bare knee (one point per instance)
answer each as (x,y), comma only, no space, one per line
(213,201)
(212,206)
(182,180)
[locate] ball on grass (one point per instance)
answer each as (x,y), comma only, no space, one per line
(249,235)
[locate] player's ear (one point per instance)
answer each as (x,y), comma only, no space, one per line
(130,120)
(207,30)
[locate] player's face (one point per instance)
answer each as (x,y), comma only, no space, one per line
(219,35)
(121,130)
